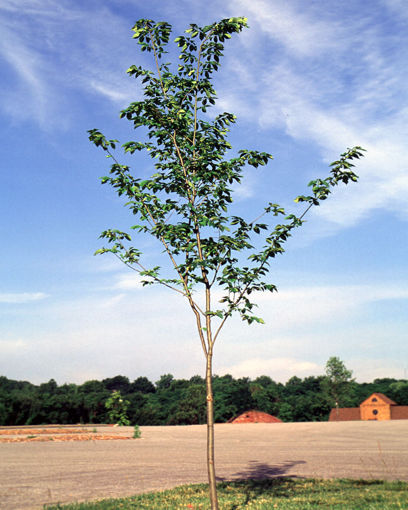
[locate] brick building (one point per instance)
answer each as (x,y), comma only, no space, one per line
(376,407)
(254,416)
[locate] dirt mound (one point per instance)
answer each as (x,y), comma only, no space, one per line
(23,435)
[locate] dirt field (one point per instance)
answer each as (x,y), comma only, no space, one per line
(36,473)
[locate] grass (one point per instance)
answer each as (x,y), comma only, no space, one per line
(277,493)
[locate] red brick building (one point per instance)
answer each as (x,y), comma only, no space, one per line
(254,416)
(376,407)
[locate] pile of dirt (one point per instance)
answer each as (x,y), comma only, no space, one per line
(24,435)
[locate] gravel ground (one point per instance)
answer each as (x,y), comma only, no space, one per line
(34,474)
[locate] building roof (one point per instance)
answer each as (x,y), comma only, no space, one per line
(380,397)
(254,416)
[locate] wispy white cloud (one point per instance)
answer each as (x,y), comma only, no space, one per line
(295,308)
(28,67)
(341,93)
(397,6)
(23,297)
(130,281)
(292,27)
(46,7)
(37,44)
(111,92)
(100,264)
(12,347)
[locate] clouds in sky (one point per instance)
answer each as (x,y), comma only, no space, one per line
(313,78)
(124,330)
(332,81)
(23,297)
(59,51)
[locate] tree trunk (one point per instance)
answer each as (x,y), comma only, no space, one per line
(210,434)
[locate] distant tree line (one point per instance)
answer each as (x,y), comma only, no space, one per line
(173,401)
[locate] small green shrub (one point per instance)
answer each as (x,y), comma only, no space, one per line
(136,432)
(117,409)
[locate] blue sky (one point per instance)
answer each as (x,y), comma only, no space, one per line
(307,80)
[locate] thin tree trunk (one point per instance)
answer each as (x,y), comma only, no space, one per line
(210,434)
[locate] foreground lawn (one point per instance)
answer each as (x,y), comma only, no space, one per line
(279,493)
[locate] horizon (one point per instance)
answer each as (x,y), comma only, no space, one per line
(251,379)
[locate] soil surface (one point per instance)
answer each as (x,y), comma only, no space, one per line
(36,473)
(57,433)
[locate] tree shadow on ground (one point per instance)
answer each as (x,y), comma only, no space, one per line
(261,471)
(260,478)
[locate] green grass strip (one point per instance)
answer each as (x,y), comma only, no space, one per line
(276,493)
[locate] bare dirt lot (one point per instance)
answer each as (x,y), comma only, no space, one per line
(36,473)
